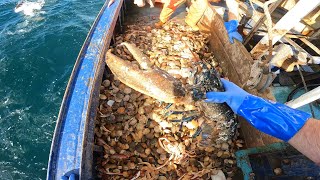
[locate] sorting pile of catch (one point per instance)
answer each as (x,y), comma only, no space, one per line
(145,138)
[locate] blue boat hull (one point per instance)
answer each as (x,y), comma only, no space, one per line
(72,146)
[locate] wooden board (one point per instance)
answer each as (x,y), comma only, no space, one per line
(236,63)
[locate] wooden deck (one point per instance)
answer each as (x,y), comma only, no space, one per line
(236,63)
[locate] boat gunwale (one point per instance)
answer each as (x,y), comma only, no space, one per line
(55,146)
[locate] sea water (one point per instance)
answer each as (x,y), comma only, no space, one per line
(39,43)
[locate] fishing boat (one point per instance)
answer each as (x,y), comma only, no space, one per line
(73,152)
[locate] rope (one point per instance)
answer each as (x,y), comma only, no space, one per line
(306,89)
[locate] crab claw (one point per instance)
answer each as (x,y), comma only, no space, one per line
(147,79)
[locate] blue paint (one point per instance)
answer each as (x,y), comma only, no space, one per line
(243,160)
(73,137)
(259,163)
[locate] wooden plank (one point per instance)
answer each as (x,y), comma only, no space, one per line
(285,24)
(252,137)
(261,21)
(236,53)
(288,4)
(312,46)
(228,68)
(257,2)
(236,63)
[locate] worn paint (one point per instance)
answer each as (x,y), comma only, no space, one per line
(69,146)
(243,160)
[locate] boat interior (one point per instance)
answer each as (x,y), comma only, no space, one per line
(235,67)
(118,140)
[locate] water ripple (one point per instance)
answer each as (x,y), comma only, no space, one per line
(37,55)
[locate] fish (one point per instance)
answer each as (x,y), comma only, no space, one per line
(157,83)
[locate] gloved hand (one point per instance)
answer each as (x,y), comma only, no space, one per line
(232,29)
(272,118)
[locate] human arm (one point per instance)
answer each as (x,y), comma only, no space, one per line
(307,140)
(275,119)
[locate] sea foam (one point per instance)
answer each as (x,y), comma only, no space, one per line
(29,8)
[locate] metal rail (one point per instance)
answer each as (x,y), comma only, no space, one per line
(306,98)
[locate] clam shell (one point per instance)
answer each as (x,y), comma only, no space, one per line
(129,123)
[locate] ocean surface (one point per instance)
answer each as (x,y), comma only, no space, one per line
(37,52)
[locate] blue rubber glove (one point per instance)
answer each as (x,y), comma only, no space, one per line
(272,118)
(232,29)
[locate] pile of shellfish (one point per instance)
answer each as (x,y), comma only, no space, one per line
(141,137)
